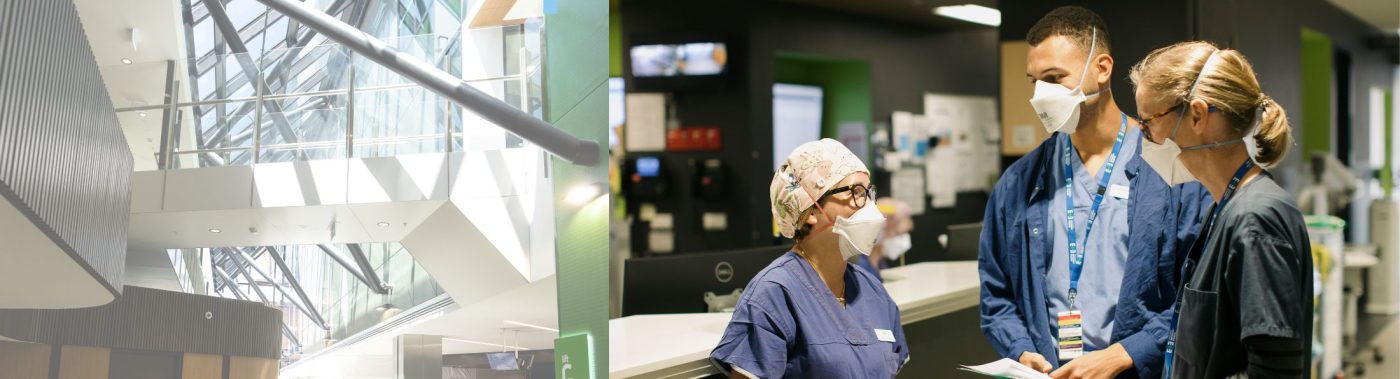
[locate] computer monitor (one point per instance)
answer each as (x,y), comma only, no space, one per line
(648,167)
(963,240)
(677,283)
(503,361)
(797,118)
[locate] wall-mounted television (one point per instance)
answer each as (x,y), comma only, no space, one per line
(670,63)
(685,59)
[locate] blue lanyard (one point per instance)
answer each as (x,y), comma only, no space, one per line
(1076,255)
(1210,224)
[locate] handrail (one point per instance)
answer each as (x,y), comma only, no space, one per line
(554,140)
(330,92)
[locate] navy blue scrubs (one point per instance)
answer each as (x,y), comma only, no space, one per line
(788,324)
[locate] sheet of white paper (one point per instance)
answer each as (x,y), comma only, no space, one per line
(1006,368)
(942,175)
(907,185)
(646,122)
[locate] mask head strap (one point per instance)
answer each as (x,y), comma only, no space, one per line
(1191,91)
(817,203)
(1093,44)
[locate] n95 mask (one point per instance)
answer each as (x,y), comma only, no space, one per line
(858,234)
(896,246)
(1058,106)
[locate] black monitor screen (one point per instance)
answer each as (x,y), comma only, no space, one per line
(677,283)
(687,59)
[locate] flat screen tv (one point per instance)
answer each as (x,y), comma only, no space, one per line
(686,59)
(675,63)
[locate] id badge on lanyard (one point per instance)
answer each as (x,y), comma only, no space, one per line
(1071,322)
(1071,335)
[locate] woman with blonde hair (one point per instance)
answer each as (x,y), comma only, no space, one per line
(1246,303)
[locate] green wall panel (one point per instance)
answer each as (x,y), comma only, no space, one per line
(845,86)
(1317,92)
(1388,169)
(576,100)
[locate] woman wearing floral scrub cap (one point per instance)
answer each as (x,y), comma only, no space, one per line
(810,313)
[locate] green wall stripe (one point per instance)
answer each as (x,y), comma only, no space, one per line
(1317,91)
(615,43)
(1387,169)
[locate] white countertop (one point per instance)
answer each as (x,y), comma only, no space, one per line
(678,345)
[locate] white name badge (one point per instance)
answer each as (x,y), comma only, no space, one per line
(884,335)
(1118,191)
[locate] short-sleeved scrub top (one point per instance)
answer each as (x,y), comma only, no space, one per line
(787,324)
(1252,277)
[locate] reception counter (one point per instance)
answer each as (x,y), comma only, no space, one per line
(678,345)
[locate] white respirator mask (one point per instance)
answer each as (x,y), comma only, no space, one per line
(1057,106)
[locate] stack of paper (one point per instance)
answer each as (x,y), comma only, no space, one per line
(1006,368)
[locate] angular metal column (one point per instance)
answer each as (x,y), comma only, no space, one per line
(296,286)
(250,70)
(374,284)
(558,142)
(305,309)
(366,268)
(229,283)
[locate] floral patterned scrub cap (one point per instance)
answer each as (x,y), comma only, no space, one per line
(806,174)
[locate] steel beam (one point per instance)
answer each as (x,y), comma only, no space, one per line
(335,255)
(292,279)
(251,282)
(287,332)
(250,69)
(305,309)
(229,283)
(366,268)
(554,140)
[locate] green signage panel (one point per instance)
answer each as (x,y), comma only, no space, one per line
(573,356)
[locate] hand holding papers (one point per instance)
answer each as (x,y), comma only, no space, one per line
(1006,368)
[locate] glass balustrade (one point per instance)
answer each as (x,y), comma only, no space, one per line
(326,102)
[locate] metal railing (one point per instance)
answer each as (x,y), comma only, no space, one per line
(326,120)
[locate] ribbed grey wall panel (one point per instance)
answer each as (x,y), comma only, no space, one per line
(151,319)
(63,158)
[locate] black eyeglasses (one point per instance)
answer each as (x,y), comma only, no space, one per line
(860,193)
(1146,130)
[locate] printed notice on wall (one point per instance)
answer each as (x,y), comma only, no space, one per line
(646,122)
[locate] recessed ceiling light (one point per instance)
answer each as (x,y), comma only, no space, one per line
(971,13)
(141,113)
(383,224)
(215,230)
(126,60)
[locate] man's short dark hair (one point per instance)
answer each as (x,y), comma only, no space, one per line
(1074,22)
